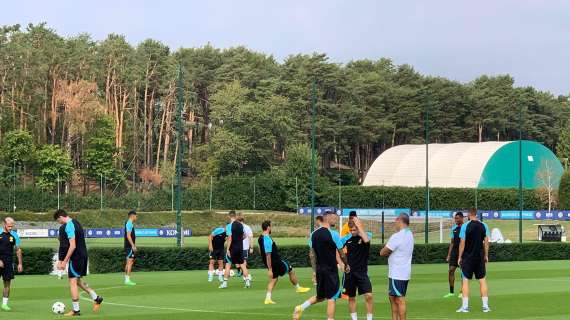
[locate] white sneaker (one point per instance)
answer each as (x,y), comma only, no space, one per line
(462,310)
(224,285)
(247,284)
(486,309)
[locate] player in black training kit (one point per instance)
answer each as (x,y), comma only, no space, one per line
(73,252)
(216,241)
(276,267)
(325,244)
(453,252)
(473,258)
(8,240)
(357,244)
(234,255)
(130,246)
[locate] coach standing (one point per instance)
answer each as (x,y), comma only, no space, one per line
(8,240)
(399,250)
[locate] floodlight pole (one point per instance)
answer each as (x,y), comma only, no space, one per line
(521,198)
(427,205)
(180,106)
(313,150)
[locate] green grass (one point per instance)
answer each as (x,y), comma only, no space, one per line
(518,290)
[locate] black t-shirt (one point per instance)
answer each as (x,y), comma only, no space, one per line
(8,240)
(325,243)
(236,232)
(129,227)
(454,235)
(72,230)
(218,238)
(474,233)
(357,253)
(267,245)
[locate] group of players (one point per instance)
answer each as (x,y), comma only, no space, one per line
(331,251)
(328,253)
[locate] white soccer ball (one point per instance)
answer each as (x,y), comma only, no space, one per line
(58,308)
(232,273)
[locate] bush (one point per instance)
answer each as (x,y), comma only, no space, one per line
(104,260)
(564,191)
(37,260)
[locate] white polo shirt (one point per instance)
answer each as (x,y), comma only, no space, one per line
(400,260)
(247,232)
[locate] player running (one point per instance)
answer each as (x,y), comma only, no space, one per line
(234,255)
(73,251)
(357,245)
(276,267)
(8,240)
(130,247)
(216,241)
(399,250)
(453,252)
(473,258)
(325,244)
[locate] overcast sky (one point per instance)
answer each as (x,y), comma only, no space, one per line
(529,39)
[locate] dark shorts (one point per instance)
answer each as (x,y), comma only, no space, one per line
(357,281)
(77,268)
(129,253)
(236,257)
(8,271)
(217,254)
(328,285)
(245,254)
(470,268)
(280,269)
(453,260)
(397,288)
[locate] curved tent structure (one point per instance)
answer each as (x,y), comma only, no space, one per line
(466,165)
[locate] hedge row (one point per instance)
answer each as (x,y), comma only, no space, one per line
(105,260)
(270,195)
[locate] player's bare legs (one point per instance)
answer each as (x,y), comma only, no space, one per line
(97,300)
(352,305)
(394,307)
(484,294)
(369,300)
(300,308)
(401,303)
(331,307)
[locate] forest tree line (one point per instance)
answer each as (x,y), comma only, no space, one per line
(93,108)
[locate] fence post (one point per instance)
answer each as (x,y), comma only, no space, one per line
(211,191)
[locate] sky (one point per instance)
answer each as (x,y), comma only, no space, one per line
(457,39)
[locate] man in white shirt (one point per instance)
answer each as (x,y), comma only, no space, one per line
(399,250)
(247,243)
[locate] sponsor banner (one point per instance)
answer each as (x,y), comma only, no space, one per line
(526,214)
(33,233)
(436,213)
(118,233)
(319,211)
(375,212)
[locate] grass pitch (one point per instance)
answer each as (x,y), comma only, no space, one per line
(518,290)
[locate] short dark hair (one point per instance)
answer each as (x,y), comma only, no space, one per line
(352,214)
(59,213)
(266,224)
(460,214)
(327,213)
(405,218)
(319,218)
(132,213)
(473,212)
(232,213)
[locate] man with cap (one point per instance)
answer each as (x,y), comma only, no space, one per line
(399,250)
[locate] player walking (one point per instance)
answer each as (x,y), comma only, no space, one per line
(473,258)
(399,250)
(247,243)
(276,267)
(357,245)
(234,255)
(73,252)
(325,244)
(216,242)
(130,247)
(8,240)
(453,252)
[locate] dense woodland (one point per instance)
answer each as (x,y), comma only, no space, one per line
(88,108)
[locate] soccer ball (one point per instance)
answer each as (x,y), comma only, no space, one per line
(58,308)
(232,273)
